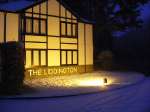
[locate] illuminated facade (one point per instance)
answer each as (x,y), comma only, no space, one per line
(55,38)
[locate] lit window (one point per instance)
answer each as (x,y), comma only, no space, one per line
(68,29)
(74,29)
(28,25)
(43,27)
(63,58)
(63,29)
(75,57)
(69,57)
(35,26)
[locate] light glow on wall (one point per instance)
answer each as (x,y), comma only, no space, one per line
(53,58)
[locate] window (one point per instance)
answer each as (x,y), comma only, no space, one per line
(68,29)
(35,26)
(69,43)
(69,57)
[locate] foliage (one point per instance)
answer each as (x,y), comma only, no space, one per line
(105,59)
(123,14)
(12,67)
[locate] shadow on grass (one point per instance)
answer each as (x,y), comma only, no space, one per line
(24,90)
(126,65)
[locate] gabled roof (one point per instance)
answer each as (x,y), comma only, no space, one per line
(20,5)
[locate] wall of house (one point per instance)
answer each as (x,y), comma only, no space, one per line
(82,49)
(1,27)
(12,25)
(85,44)
(89,44)
(66,42)
(9,27)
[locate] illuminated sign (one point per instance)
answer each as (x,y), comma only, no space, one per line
(46,71)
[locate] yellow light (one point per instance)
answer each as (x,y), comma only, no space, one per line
(96,82)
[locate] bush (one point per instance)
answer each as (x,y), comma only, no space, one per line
(12,67)
(105,59)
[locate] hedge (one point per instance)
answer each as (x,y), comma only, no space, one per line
(12,59)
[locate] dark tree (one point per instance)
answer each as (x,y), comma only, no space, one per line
(115,15)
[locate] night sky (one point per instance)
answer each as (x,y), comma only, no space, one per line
(146,12)
(145,15)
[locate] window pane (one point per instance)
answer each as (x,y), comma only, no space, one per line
(28,59)
(36,26)
(43,8)
(43,58)
(74,57)
(63,11)
(35,58)
(63,29)
(68,14)
(74,30)
(43,27)
(68,29)
(69,57)
(28,25)
(36,9)
(63,57)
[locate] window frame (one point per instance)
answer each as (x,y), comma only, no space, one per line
(40,21)
(66,60)
(66,29)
